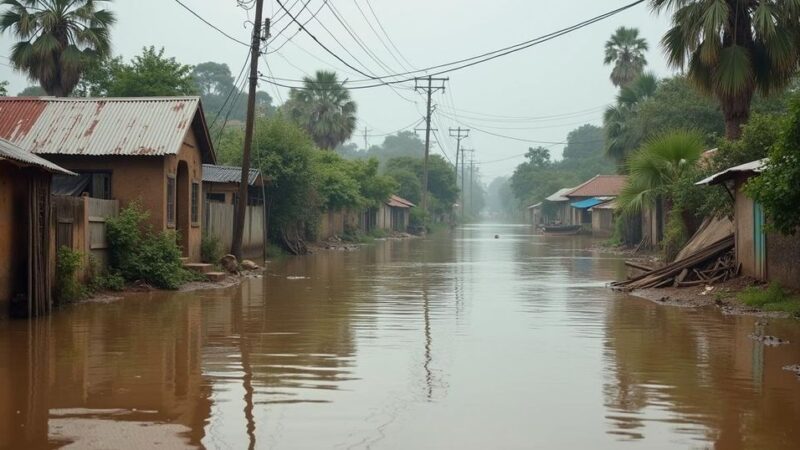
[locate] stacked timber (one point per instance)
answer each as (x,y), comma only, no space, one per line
(711,264)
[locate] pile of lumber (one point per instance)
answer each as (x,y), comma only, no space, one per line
(711,264)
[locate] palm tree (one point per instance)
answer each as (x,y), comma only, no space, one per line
(622,136)
(625,49)
(657,166)
(733,49)
(57,39)
(324,109)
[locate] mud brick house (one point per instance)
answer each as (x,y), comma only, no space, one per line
(25,251)
(593,192)
(763,254)
(149,150)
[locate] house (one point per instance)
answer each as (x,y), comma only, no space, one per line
(394,214)
(561,214)
(221,189)
(25,251)
(591,193)
(535,217)
(763,254)
(146,150)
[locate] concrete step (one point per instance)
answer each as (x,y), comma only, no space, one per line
(216,277)
(199,267)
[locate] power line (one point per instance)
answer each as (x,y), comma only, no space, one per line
(211,24)
(380,25)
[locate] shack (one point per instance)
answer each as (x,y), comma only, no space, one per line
(148,150)
(591,193)
(763,254)
(535,217)
(394,214)
(559,211)
(25,252)
(221,188)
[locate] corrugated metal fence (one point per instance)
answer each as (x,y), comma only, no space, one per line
(218,221)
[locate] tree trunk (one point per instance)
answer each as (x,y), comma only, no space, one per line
(736,111)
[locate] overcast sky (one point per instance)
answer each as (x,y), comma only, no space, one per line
(564,77)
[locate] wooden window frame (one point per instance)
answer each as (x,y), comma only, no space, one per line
(172,193)
(194,200)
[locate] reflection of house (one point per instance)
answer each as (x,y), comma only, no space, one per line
(763,254)
(560,211)
(149,150)
(591,193)
(25,253)
(221,188)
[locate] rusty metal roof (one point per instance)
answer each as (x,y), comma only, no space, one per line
(103,126)
(229,174)
(399,202)
(600,185)
(19,156)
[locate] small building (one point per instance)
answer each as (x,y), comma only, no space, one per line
(560,211)
(221,189)
(591,193)
(763,254)
(394,214)
(146,150)
(25,235)
(603,217)
(535,217)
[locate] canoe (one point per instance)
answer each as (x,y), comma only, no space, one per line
(562,229)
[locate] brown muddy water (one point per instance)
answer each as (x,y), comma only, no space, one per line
(459,341)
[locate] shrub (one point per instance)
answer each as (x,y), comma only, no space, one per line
(140,254)
(68,288)
(210,249)
(109,281)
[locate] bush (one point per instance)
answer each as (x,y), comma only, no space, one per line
(773,298)
(210,249)
(68,288)
(108,281)
(140,254)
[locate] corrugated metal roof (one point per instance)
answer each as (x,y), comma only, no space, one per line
(228,174)
(608,205)
(102,126)
(588,203)
(399,202)
(18,155)
(560,195)
(752,166)
(535,205)
(600,185)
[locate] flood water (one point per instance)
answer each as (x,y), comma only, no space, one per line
(458,341)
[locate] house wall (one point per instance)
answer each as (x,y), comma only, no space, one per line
(602,222)
(743,231)
(783,254)
(13,232)
(190,154)
(229,189)
(384,217)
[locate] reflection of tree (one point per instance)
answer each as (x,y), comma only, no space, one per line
(701,367)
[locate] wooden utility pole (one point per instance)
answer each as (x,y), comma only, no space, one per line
(429,89)
(366,143)
(460,133)
(463,193)
(241,206)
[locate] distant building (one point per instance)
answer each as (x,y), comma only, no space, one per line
(590,194)
(535,217)
(561,210)
(149,150)
(763,254)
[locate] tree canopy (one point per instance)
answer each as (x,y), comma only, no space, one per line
(323,108)
(625,50)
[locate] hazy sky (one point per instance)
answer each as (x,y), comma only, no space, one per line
(564,77)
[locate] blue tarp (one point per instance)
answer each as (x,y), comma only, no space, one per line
(588,203)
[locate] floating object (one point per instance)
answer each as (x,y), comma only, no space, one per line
(497,236)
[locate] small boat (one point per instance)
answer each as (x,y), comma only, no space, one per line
(563,230)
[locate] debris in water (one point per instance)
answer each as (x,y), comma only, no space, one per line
(296,278)
(497,236)
(793,368)
(769,340)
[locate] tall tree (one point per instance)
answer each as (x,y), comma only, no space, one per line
(3,88)
(625,49)
(323,107)
(152,74)
(734,48)
(57,39)
(622,133)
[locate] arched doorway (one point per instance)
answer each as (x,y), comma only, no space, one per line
(182,206)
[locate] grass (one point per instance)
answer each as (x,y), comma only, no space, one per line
(773,298)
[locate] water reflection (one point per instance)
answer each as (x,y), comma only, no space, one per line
(458,341)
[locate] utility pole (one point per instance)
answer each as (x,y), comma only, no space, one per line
(471,183)
(366,144)
(241,206)
(429,89)
(463,193)
(460,133)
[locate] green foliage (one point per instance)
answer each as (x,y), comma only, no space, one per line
(32,91)
(324,109)
(3,88)
(625,49)
(68,287)
(675,234)
(140,254)
(151,74)
(501,200)
(215,84)
(108,281)
(335,185)
(773,298)
(407,172)
(777,186)
(210,248)
(57,39)
(229,144)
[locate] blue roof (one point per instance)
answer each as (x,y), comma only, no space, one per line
(588,203)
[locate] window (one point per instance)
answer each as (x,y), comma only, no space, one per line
(215,197)
(171,200)
(195,203)
(101,185)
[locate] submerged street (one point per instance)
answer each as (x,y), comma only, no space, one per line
(459,340)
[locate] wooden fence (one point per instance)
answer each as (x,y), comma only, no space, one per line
(80,224)
(218,221)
